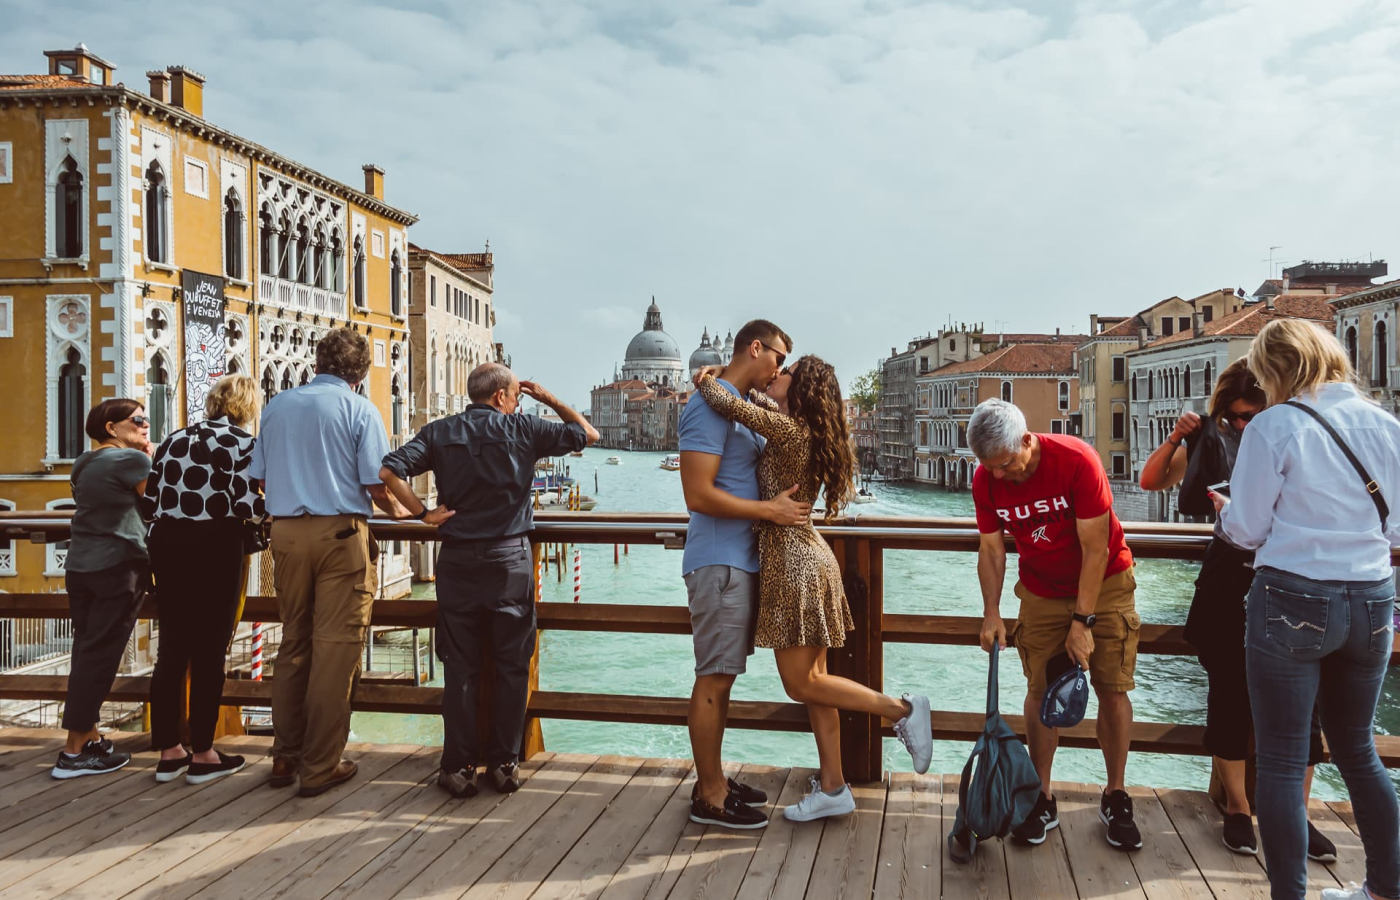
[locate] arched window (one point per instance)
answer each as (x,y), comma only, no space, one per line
(432,366)
(286,383)
(269,384)
(337,282)
(1064,395)
(396,421)
(160,394)
(1151,385)
(157,224)
(395,289)
(1006,391)
(233,235)
(303,260)
(1381,355)
(68,211)
(267,243)
(303,376)
(1209,380)
(320,261)
(285,247)
(361,300)
(232,367)
(1186,381)
(1351,345)
(72,406)
(1135,385)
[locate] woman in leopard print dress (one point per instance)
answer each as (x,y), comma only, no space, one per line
(802,603)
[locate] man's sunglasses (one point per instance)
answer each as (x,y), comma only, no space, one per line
(139,421)
(1243,418)
(782,357)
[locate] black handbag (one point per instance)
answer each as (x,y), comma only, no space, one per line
(257,535)
(1207,463)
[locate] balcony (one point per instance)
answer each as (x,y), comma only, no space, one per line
(284,294)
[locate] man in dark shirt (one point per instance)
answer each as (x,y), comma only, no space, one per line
(484,462)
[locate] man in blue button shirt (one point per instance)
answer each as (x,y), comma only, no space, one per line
(719,462)
(317,456)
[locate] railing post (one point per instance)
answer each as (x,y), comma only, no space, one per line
(532,742)
(862,659)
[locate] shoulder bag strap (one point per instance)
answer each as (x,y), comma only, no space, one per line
(1372,487)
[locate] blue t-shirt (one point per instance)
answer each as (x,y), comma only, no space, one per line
(711,541)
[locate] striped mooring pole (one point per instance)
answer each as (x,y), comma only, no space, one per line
(578,573)
(257,651)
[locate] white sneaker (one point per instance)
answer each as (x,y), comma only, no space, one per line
(818,804)
(1352,891)
(915,732)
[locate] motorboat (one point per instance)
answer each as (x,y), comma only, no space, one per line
(864,496)
(672,462)
(577,454)
(614,460)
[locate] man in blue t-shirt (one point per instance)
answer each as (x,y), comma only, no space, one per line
(719,461)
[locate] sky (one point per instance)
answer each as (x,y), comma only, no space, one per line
(861,173)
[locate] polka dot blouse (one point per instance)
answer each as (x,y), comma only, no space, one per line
(200,472)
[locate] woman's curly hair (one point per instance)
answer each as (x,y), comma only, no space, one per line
(814,398)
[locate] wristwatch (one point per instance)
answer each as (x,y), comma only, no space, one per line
(422,515)
(1088,620)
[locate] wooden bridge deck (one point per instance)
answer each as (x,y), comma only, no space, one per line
(581,827)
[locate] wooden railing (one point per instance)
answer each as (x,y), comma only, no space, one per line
(859,545)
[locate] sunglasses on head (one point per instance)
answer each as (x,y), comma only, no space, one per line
(1243,418)
(782,357)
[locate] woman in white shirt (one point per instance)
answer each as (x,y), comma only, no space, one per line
(1319,620)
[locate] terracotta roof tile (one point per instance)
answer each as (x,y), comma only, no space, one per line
(1250,321)
(1017,359)
(47,82)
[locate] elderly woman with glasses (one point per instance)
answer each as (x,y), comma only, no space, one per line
(1215,623)
(106,572)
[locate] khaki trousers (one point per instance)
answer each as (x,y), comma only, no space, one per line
(325,576)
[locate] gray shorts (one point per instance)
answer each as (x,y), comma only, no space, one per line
(723,613)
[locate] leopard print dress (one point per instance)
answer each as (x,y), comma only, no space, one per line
(801,601)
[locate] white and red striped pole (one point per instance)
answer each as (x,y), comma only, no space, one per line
(539,580)
(256,665)
(578,573)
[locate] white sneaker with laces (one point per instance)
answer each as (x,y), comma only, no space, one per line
(1352,891)
(818,804)
(915,732)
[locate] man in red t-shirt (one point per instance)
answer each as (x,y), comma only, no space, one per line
(1076,587)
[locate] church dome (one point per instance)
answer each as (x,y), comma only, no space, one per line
(706,354)
(652,342)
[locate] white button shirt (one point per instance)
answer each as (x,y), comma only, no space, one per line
(1296,499)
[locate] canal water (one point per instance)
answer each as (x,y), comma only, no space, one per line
(1169,689)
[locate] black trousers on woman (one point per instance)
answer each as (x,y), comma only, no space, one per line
(104,606)
(198,568)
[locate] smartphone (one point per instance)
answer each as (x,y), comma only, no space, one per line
(1223,488)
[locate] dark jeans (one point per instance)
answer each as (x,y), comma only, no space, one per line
(198,567)
(1325,642)
(485,597)
(103,606)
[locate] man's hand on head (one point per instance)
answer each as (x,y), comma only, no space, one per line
(538,392)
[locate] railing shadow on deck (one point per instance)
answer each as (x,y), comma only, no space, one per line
(859,545)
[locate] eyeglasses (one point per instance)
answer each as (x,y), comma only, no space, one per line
(139,421)
(782,357)
(1243,418)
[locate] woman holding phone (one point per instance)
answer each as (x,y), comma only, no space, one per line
(1215,624)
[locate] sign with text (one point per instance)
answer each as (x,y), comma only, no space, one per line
(204,339)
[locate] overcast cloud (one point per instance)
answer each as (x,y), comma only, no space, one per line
(860,172)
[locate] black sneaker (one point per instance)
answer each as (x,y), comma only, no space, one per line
(1319,847)
(1239,834)
(202,772)
(460,784)
(1044,817)
(1116,811)
(749,796)
(170,769)
(505,778)
(93,760)
(735,814)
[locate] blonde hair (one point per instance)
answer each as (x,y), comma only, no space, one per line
(1291,357)
(234,397)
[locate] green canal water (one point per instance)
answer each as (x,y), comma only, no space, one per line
(1169,689)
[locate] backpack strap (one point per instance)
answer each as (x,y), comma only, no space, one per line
(1372,487)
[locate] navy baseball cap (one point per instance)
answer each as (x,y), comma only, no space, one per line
(1067,696)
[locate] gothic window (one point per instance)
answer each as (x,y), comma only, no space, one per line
(361,300)
(160,392)
(396,406)
(233,235)
(320,262)
(68,209)
(395,288)
(267,243)
(432,366)
(1064,395)
(286,382)
(1186,382)
(285,246)
(1351,345)
(1381,355)
(157,222)
(1209,380)
(1135,385)
(269,385)
(232,367)
(303,376)
(1006,391)
(337,280)
(72,406)
(303,260)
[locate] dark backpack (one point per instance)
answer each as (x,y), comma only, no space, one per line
(1207,463)
(999,784)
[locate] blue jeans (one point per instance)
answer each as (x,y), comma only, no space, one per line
(1327,642)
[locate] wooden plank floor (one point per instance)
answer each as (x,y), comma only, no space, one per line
(582,828)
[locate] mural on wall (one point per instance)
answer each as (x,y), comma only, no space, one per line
(204,339)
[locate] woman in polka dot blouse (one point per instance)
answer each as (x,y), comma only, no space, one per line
(198,496)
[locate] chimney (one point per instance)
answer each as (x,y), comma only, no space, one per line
(1093,323)
(1198,323)
(1331,287)
(160,85)
(1269,300)
(1286,278)
(374,184)
(1142,336)
(187,90)
(1057,334)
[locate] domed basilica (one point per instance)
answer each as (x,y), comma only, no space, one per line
(654,358)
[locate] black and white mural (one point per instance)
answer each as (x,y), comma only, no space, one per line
(204,339)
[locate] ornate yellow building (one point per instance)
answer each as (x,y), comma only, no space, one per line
(145,250)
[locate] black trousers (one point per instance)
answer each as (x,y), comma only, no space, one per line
(198,567)
(103,606)
(486,605)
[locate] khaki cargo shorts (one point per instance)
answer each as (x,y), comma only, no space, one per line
(1043,626)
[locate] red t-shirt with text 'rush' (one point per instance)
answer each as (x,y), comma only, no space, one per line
(1040,514)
